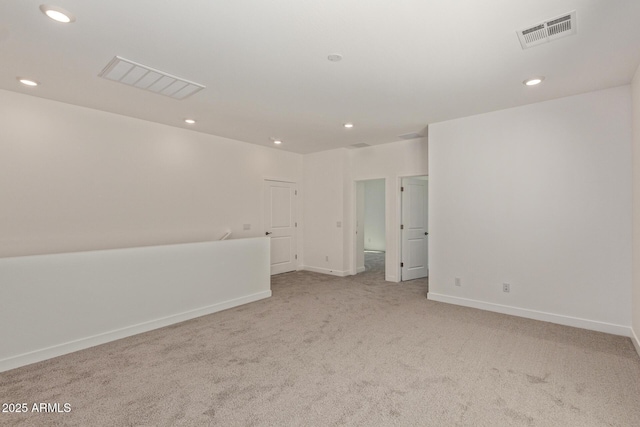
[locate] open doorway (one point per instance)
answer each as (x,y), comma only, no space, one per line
(371,243)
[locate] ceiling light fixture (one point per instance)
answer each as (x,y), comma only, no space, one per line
(334,57)
(275,140)
(534,81)
(28,82)
(348,125)
(57,14)
(189,121)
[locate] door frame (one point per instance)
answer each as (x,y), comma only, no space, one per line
(298,236)
(353,267)
(399,219)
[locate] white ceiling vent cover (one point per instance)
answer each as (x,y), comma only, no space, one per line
(412,135)
(562,26)
(147,78)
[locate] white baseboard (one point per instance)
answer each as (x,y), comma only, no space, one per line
(576,322)
(635,341)
(388,277)
(326,271)
(83,343)
(360,270)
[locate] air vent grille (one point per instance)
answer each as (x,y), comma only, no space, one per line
(547,31)
(360,145)
(143,77)
(559,25)
(412,135)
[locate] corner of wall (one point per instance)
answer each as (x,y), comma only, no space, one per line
(635,341)
(635,286)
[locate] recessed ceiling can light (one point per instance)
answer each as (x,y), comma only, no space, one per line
(534,81)
(348,125)
(28,82)
(57,14)
(189,121)
(275,140)
(334,57)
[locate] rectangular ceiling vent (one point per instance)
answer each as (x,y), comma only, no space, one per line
(147,78)
(412,135)
(360,145)
(562,26)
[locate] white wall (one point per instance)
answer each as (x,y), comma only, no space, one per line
(635,88)
(60,303)
(374,208)
(323,212)
(539,197)
(330,196)
(390,161)
(360,267)
(73,179)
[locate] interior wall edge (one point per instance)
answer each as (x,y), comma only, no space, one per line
(339,273)
(635,154)
(391,278)
(635,341)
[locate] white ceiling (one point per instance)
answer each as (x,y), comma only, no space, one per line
(407,63)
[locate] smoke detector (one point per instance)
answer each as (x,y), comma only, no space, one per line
(552,29)
(143,77)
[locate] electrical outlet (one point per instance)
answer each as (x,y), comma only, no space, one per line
(326,258)
(506,287)
(458,281)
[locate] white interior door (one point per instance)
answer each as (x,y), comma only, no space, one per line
(414,228)
(280,224)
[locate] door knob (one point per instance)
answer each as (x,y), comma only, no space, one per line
(267,233)
(425,233)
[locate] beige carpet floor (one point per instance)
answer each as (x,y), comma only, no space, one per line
(327,351)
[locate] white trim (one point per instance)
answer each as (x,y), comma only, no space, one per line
(360,270)
(560,319)
(353,244)
(635,341)
(326,271)
(391,278)
(83,343)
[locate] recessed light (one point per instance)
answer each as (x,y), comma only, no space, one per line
(348,125)
(334,57)
(28,82)
(189,121)
(57,14)
(534,81)
(275,140)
